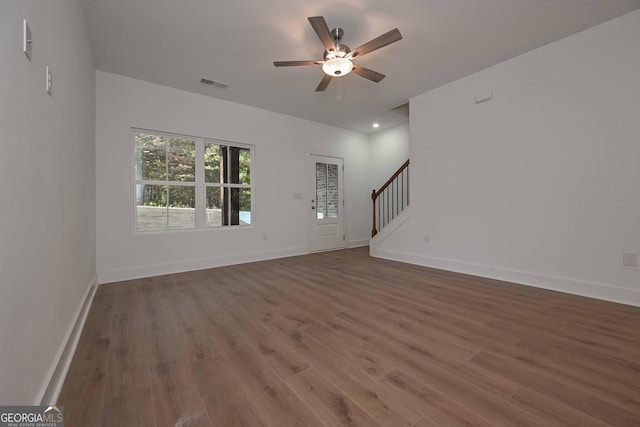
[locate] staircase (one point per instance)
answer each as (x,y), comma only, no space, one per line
(391,199)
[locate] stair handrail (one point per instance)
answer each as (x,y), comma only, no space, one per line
(375,194)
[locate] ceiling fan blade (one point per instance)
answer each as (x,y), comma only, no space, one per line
(322,30)
(374,76)
(324,83)
(295,63)
(375,44)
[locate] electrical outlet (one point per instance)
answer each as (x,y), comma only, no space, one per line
(426,238)
(264,236)
(630,259)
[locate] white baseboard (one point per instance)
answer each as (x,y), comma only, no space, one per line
(110,276)
(357,243)
(561,284)
(51,388)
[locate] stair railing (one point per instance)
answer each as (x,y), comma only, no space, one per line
(391,199)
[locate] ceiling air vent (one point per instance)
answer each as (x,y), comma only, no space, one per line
(213,83)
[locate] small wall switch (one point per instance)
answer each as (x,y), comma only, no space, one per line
(297,196)
(26,39)
(426,238)
(264,236)
(484,95)
(49,85)
(630,259)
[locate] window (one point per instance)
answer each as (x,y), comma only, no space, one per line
(188,183)
(227,176)
(326,191)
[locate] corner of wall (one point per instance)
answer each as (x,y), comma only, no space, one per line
(50,390)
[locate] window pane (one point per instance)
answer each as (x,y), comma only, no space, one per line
(244,160)
(212,170)
(326,191)
(151,207)
(182,160)
(151,157)
(332,191)
(225,166)
(215,195)
(182,207)
(238,162)
(321,190)
(243,196)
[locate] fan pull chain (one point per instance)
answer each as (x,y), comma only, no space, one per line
(339,89)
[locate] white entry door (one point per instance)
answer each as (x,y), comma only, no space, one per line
(326,206)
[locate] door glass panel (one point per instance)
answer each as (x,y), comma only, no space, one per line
(321,190)
(332,191)
(326,191)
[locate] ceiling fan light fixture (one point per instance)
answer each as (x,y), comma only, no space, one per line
(337,67)
(338,56)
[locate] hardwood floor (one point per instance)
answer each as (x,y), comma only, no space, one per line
(342,339)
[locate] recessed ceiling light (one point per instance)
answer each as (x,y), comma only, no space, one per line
(376,125)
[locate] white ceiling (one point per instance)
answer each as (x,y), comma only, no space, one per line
(175,43)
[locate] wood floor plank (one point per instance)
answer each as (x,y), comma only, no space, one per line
(588,361)
(134,409)
(274,401)
(128,365)
(484,394)
(178,406)
(223,398)
(283,360)
(83,396)
(407,350)
(340,338)
(83,391)
(584,401)
(571,374)
(327,402)
(434,406)
(176,399)
(385,407)
(423,422)
(551,410)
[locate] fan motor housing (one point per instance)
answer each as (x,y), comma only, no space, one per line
(341,50)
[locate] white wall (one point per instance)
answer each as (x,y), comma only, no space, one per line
(540,184)
(389,151)
(47,242)
(281,142)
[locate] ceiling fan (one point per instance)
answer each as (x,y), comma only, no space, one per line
(338,57)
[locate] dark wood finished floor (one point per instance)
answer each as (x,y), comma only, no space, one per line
(342,339)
